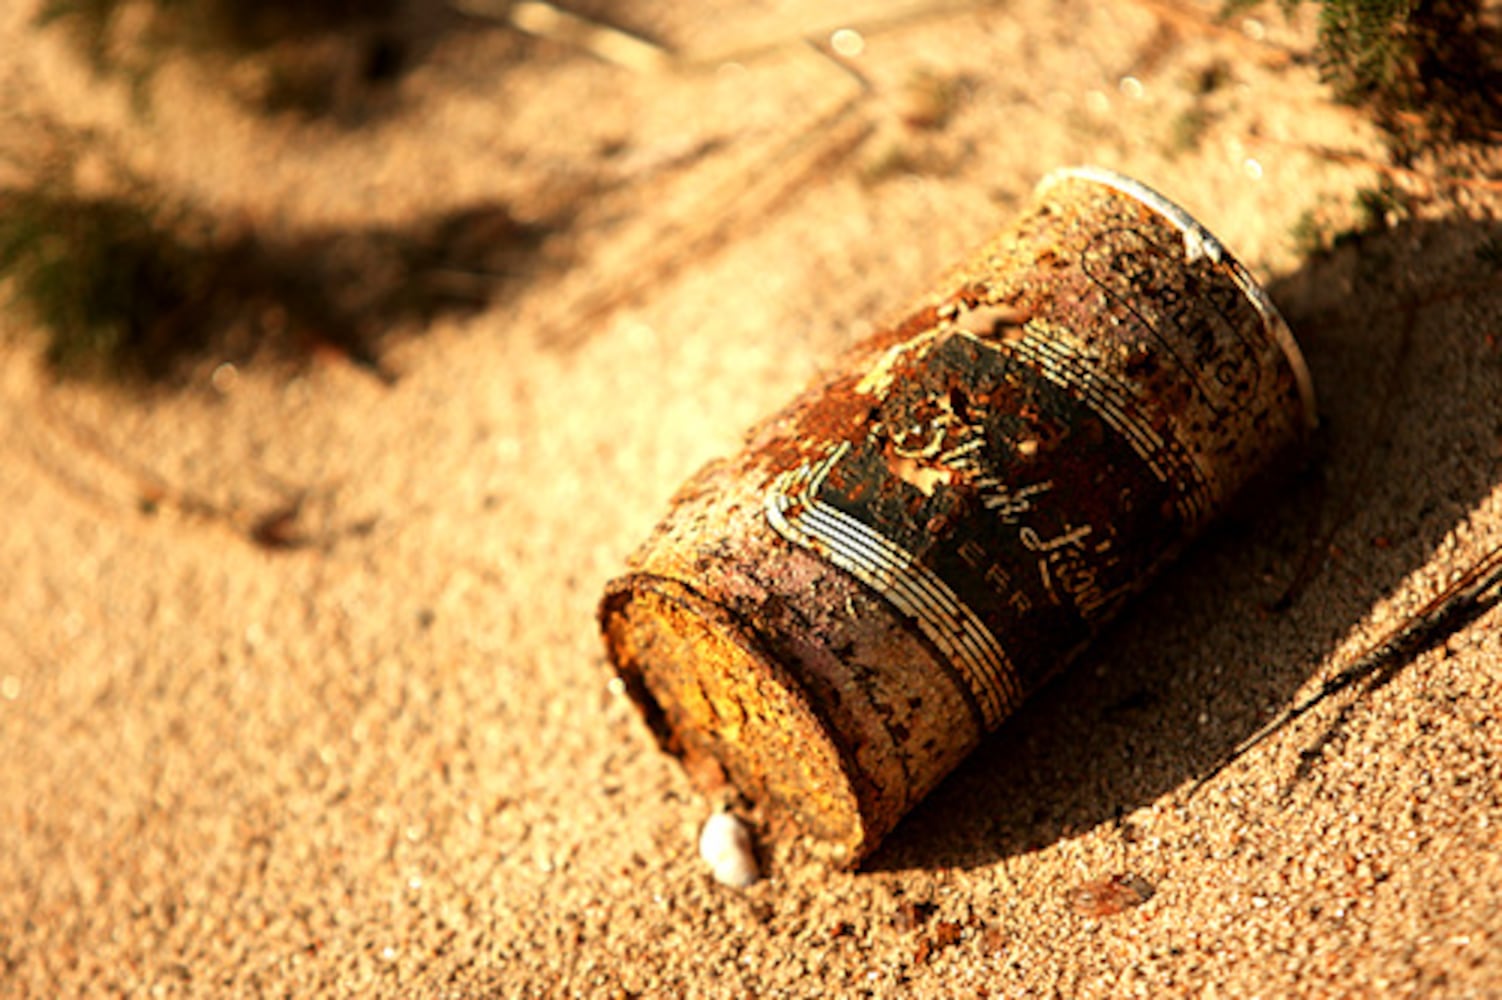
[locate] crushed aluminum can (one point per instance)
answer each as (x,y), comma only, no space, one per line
(832,619)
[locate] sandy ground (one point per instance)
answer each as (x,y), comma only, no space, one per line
(387,762)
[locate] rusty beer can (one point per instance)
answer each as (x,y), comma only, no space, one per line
(833,618)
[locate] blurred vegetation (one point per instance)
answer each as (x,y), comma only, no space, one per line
(130,285)
(1431,64)
(105,277)
(234,25)
(317,57)
(1375,209)
(129,282)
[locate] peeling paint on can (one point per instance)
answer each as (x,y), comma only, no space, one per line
(833,618)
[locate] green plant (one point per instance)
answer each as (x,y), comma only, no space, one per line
(1311,236)
(313,53)
(1375,209)
(131,286)
(105,277)
(1379,208)
(1436,60)
(237,26)
(1187,130)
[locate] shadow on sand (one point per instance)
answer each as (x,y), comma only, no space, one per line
(332,60)
(127,292)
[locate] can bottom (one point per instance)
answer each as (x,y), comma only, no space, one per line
(729,711)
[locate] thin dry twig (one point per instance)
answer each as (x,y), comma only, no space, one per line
(1476,591)
(1320,545)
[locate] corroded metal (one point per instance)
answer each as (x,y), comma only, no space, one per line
(833,618)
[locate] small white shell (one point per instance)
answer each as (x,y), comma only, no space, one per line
(725,845)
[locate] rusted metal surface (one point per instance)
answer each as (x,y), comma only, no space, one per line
(833,618)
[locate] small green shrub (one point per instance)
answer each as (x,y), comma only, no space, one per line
(105,277)
(314,53)
(237,26)
(1376,209)
(127,287)
(1434,60)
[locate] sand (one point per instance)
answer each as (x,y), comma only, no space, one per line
(386,760)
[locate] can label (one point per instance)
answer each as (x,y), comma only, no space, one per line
(1014,478)
(974,505)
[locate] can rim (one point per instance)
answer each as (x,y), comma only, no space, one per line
(1200,242)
